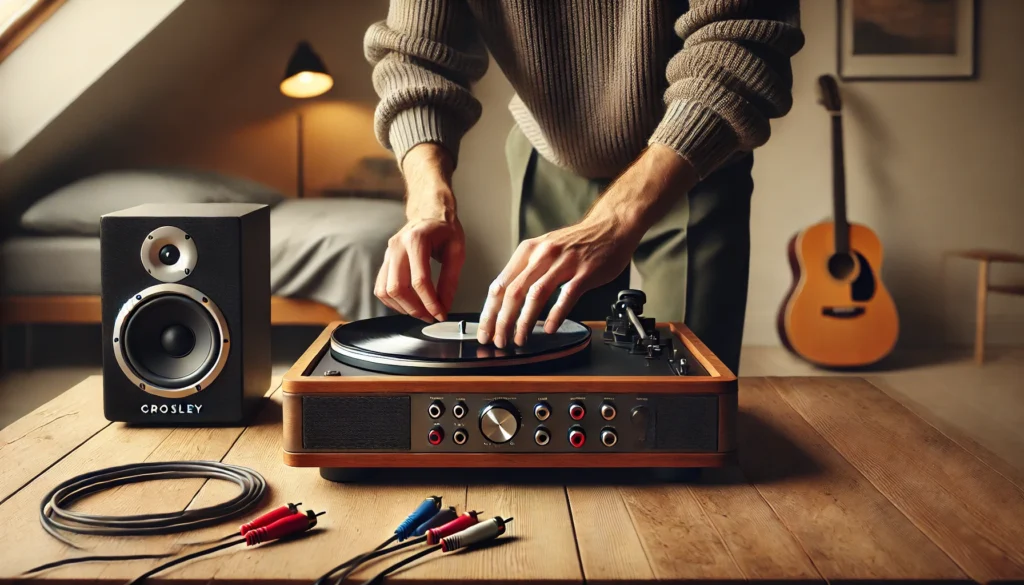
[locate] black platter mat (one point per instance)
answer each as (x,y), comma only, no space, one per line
(398,344)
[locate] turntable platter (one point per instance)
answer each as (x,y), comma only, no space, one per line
(404,345)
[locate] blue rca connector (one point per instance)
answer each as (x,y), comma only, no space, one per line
(423,513)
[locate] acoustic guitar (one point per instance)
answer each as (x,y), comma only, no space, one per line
(838,313)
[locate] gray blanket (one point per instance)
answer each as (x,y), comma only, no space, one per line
(329,250)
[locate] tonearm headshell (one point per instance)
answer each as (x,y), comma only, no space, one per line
(626,327)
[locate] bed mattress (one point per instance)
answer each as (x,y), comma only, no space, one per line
(326,250)
(51,265)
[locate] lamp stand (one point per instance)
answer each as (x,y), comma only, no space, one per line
(300,163)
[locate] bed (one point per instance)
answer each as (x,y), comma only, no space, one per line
(324,256)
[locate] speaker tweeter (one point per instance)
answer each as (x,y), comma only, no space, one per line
(169,254)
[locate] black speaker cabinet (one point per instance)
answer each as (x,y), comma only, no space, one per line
(186,312)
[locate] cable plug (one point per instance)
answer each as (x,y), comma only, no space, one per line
(286,526)
(270,517)
(476,534)
(461,523)
(424,512)
(441,518)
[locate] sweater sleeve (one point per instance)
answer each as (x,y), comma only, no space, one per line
(425,56)
(731,77)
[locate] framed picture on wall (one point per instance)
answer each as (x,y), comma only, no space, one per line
(907,39)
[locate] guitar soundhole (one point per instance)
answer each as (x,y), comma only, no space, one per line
(841,266)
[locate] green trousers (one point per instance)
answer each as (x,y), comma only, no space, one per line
(694,262)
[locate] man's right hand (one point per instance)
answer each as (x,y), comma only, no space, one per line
(432,230)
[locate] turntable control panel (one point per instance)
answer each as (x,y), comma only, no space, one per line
(561,423)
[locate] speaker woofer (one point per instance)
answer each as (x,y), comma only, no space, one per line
(170,340)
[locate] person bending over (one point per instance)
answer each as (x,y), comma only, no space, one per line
(635,123)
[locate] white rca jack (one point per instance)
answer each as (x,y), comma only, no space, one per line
(609,438)
(542,436)
(608,411)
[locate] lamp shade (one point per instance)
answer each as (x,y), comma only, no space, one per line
(306,75)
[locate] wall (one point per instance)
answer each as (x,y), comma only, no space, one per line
(127,64)
(237,122)
(63,57)
(931,166)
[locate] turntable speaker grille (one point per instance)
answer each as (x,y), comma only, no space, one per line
(363,423)
(687,422)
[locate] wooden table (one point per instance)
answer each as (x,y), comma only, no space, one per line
(837,481)
(985,258)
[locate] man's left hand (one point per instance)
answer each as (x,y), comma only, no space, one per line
(583,256)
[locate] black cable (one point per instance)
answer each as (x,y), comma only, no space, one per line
(55,564)
(401,563)
(357,561)
(360,558)
(187,557)
(55,516)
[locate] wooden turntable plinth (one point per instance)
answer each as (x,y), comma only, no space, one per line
(633,413)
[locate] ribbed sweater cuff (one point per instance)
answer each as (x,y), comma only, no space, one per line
(420,124)
(698,134)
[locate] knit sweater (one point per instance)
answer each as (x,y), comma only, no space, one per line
(595,80)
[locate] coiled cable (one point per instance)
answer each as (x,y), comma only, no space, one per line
(55,516)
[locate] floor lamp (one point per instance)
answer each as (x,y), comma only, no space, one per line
(305,77)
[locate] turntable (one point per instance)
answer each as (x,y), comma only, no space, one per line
(394,392)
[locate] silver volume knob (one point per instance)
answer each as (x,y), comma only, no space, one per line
(499,421)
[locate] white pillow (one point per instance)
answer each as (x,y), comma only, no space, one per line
(75,209)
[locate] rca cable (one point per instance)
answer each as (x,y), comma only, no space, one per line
(429,524)
(474,535)
(288,526)
(276,524)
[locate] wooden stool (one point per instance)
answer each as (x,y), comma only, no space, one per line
(985,258)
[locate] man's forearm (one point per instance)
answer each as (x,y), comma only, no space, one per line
(428,172)
(645,191)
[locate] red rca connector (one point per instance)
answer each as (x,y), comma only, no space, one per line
(435,436)
(488,530)
(434,535)
(577,411)
(270,517)
(577,437)
(286,526)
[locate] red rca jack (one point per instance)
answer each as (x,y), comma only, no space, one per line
(270,517)
(608,411)
(286,526)
(577,437)
(460,436)
(609,437)
(577,411)
(435,535)
(542,436)
(436,435)
(436,409)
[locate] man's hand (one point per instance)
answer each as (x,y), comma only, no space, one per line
(584,256)
(432,230)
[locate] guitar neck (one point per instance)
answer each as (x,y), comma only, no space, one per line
(842,227)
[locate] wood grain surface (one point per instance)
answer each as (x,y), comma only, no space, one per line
(969,510)
(836,482)
(33,443)
(848,529)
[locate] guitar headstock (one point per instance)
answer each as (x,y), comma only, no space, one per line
(828,94)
